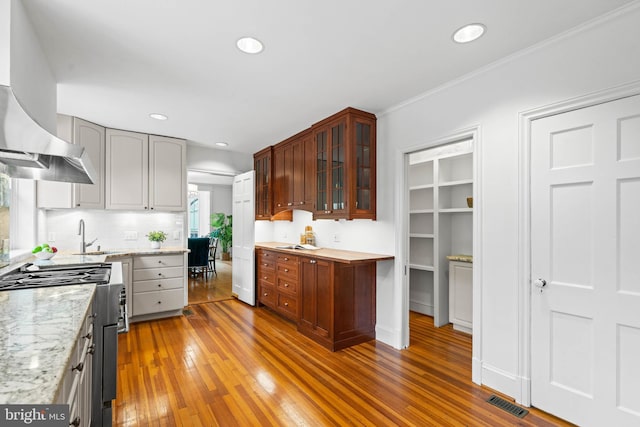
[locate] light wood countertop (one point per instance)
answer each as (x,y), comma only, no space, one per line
(337,255)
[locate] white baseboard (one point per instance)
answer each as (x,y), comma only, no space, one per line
(389,336)
(502,381)
(421,308)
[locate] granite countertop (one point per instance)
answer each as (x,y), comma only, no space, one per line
(38,329)
(338,255)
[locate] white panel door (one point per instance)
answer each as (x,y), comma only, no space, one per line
(243,277)
(585,246)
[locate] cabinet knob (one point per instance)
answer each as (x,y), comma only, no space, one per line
(302,203)
(265,294)
(146,207)
(286,304)
(159,302)
(286,285)
(289,204)
(159,285)
(313,261)
(286,270)
(265,264)
(286,259)
(160,274)
(265,277)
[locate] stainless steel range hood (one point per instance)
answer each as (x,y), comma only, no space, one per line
(29,151)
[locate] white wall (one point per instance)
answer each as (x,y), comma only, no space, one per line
(61,227)
(598,56)
(5,42)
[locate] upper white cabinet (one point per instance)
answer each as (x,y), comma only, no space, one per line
(440,223)
(167,173)
(86,196)
(145,172)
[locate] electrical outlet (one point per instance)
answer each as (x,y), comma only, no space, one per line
(130,235)
(51,236)
(336,238)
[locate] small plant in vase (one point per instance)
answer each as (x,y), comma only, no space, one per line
(156,238)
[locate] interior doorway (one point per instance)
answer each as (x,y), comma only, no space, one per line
(440,237)
(204,199)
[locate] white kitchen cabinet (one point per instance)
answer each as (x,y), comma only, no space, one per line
(127,170)
(440,223)
(145,172)
(91,136)
(159,283)
(167,173)
(461,295)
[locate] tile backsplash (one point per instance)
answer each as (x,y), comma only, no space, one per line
(113,229)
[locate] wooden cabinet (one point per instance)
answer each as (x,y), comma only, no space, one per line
(264,180)
(345,165)
(293,173)
(328,169)
(278,282)
(76,385)
(145,172)
(338,302)
(158,284)
(91,136)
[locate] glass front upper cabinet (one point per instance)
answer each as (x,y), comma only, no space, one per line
(345,166)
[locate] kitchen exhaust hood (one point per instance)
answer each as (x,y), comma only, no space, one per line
(29,151)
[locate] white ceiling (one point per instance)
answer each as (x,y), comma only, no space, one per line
(116,61)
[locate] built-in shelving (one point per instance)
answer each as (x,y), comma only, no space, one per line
(440,223)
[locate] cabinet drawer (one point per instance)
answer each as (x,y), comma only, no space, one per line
(287,270)
(158,273)
(288,305)
(287,285)
(266,256)
(152,261)
(157,285)
(159,301)
(267,296)
(290,260)
(267,276)
(266,264)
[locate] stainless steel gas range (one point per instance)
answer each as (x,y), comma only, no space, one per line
(110,318)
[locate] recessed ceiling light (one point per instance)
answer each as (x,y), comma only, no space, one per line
(222,144)
(158,116)
(469,33)
(249,45)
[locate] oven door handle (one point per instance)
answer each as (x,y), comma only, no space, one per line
(124,327)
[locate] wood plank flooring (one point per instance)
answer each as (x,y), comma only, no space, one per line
(229,364)
(211,287)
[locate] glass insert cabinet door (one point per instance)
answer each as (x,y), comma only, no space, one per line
(346,166)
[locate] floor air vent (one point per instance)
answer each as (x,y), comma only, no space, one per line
(507,406)
(187,312)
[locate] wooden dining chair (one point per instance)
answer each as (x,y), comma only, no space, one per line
(213,248)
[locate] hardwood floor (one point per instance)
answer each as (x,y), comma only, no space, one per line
(229,364)
(211,287)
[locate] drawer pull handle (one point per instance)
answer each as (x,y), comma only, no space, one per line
(313,261)
(265,264)
(78,367)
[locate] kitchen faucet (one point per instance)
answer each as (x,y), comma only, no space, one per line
(84,245)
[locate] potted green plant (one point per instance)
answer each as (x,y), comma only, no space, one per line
(222,225)
(156,238)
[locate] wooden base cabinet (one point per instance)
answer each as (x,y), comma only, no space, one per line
(337,302)
(277,276)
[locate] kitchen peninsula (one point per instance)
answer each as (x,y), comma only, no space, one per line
(330,293)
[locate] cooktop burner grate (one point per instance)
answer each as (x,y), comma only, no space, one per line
(25,278)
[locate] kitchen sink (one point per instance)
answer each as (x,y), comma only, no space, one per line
(95,253)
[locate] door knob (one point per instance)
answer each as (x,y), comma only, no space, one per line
(540,284)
